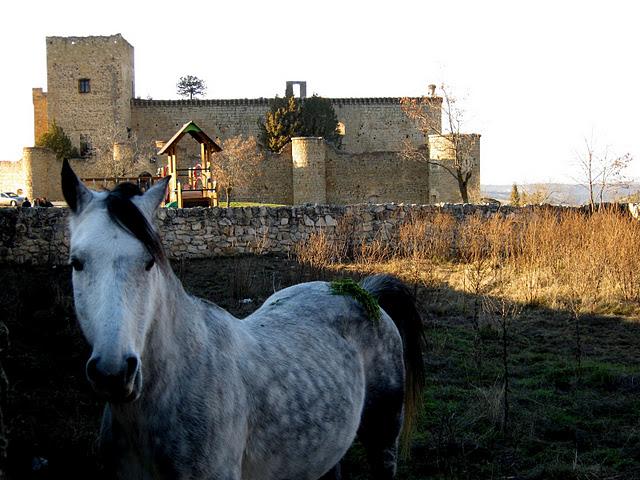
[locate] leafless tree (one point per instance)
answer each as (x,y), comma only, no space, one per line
(441,117)
(120,150)
(601,171)
(236,165)
(536,194)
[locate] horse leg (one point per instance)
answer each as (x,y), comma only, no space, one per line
(334,474)
(379,431)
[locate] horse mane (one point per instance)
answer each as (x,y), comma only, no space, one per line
(129,217)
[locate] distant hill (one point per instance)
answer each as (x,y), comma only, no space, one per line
(559,193)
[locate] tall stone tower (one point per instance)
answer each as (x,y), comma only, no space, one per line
(90,84)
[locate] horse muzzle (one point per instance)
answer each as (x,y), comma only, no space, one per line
(119,382)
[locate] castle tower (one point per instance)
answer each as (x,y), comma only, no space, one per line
(309,170)
(443,186)
(90,84)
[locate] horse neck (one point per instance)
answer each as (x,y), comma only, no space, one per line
(181,324)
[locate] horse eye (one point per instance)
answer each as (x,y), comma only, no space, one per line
(77,264)
(149,265)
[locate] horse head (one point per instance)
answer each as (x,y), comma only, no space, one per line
(117,261)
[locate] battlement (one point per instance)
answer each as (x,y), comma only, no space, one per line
(91,94)
(93,39)
(221,102)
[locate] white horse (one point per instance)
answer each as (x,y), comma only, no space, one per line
(195,393)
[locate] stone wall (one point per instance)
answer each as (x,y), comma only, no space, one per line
(376,177)
(40,116)
(12,177)
(309,172)
(38,173)
(444,187)
(376,124)
(107,62)
(271,181)
(371,124)
(40,236)
(366,168)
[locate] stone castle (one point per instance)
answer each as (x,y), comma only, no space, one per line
(91,90)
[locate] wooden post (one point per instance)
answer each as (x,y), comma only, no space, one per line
(179,195)
(214,192)
(173,183)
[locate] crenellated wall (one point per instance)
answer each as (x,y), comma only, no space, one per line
(367,168)
(370,124)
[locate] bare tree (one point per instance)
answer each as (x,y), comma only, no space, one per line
(236,165)
(442,118)
(536,194)
(119,150)
(601,171)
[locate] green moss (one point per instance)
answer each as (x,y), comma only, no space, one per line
(347,286)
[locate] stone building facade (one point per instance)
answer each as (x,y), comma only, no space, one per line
(91,90)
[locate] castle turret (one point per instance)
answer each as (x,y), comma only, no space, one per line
(40,120)
(444,187)
(90,83)
(309,170)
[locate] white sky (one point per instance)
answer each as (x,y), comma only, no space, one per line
(536,78)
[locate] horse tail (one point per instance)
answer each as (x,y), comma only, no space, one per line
(395,298)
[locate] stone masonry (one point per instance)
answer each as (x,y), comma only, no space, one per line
(40,236)
(91,94)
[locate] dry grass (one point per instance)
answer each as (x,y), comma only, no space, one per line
(570,260)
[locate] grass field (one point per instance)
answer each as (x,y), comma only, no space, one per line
(532,371)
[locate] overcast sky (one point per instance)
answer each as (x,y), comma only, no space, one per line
(535,78)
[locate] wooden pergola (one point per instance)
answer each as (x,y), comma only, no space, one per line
(191,196)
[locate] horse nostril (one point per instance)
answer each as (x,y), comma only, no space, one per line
(92,369)
(132,368)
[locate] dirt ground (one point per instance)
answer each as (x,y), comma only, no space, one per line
(566,420)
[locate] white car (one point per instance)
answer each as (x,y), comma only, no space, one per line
(11,199)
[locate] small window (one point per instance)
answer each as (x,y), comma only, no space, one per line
(340,129)
(84,85)
(86,149)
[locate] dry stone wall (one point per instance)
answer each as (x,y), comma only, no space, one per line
(40,235)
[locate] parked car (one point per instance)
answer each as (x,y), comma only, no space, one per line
(11,199)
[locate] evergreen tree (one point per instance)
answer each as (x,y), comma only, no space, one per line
(281,122)
(318,119)
(514,199)
(58,141)
(288,117)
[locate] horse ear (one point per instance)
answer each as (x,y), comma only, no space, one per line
(152,198)
(74,191)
